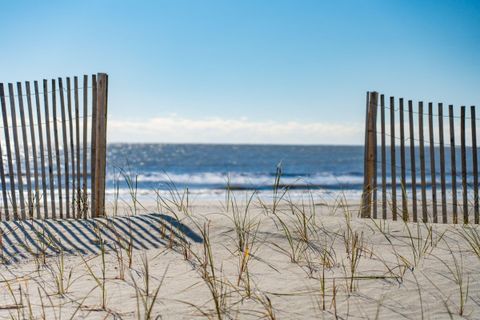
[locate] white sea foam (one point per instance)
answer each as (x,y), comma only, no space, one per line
(245,179)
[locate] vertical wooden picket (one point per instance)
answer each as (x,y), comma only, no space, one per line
(11,171)
(25,149)
(463,150)
(442,163)
(72,148)
(77,142)
(453,164)
(18,156)
(36,197)
(101,144)
(375,164)
(53,213)
(2,172)
(432,162)
(57,148)
(403,163)
(393,166)
(65,148)
(85,150)
(474,164)
(4,188)
(42,150)
(412,160)
(93,153)
(422,163)
(384,157)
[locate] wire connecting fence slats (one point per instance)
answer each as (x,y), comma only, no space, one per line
(53,148)
(434,153)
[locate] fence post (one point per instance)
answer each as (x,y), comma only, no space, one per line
(370,148)
(101,145)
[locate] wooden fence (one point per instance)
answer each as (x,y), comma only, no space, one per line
(53,148)
(426,173)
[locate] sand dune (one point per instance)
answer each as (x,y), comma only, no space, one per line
(239,260)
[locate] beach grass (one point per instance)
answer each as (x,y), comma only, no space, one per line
(259,257)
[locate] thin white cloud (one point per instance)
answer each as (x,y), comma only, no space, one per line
(177,129)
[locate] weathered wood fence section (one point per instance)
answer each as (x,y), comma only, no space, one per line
(53,148)
(428,172)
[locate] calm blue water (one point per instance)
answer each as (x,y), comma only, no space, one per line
(209,168)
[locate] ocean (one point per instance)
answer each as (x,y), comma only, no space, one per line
(207,170)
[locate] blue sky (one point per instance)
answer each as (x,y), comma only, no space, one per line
(252,71)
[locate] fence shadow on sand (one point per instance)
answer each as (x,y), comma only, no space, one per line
(30,238)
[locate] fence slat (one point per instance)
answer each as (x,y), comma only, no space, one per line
(464,165)
(422,163)
(65,148)
(53,206)
(42,149)
(11,173)
(4,187)
(375,163)
(18,156)
(442,163)
(453,164)
(393,158)
(57,148)
(77,145)
(412,160)
(72,149)
(93,153)
(474,163)
(34,147)
(402,164)
(432,162)
(85,151)
(101,143)
(365,197)
(384,157)
(25,149)
(365,153)
(2,170)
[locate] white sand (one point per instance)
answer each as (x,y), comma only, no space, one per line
(389,282)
